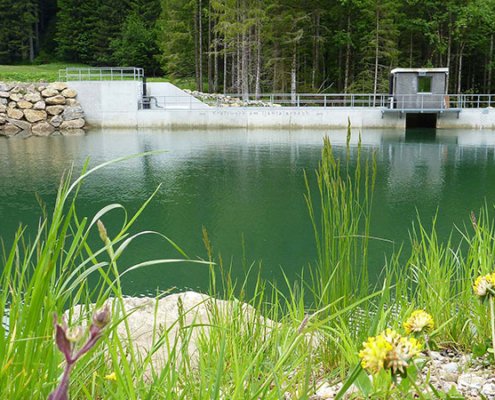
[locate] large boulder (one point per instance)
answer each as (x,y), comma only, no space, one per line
(40,105)
(190,313)
(72,102)
(35,115)
(73,124)
(56,120)
(42,129)
(24,104)
(33,97)
(14,113)
(49,92)
(9,130)
(16,96)
(60,86)
(22,125)
(55,110)
(5,87)
(55,100)
(3,108)
(71,113)
(4,95)
(17,89)
(70,93)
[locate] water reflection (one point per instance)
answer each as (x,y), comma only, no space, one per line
(245,187)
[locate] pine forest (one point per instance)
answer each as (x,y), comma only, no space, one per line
(254,46)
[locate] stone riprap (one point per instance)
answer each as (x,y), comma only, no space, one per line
(39,110)
(221,100)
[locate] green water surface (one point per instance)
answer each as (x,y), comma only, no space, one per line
(246,188)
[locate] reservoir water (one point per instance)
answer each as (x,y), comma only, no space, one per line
(246,188)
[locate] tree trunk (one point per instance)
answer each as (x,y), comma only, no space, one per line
(225,67)
(257,84)
(459,69)
(293,76)
(348,53)
(490,60)
(449,52)
(244,55)
(215,62)
(377,48)
(210,52)
(200,26)
(196,47)
(239,65)
(31,45)
(411,50)
(275,68)
(316,48)
(233,74)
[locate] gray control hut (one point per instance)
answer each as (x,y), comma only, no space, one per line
(419,89)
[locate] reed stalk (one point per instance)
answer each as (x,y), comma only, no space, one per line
(340,217)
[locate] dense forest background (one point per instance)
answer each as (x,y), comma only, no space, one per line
(241,46)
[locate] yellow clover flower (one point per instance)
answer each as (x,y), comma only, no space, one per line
(374,352)
(419,322)
(388,350)
(403,350)
(111,377)
(484,285)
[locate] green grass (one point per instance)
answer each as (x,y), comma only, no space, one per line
(33,73)
(49,73)
(241,357)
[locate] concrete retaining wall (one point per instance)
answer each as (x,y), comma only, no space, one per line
(114,104)
(109,104)
(267,118)
(469,118)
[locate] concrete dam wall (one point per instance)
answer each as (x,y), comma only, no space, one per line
(119,104)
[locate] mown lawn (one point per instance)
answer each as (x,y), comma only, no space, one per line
(33,73)
(50,73)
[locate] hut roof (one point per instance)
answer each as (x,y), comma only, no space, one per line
(420,70)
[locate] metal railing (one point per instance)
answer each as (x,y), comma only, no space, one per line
(387,103)
(439,103)
(305,100)
(179,102)
(264,100)
(101,74)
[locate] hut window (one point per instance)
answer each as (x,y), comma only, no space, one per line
(424,84)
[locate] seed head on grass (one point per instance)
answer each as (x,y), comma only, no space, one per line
(67,338)
(420,322)
(390,351)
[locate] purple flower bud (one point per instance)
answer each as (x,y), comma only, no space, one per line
(102,317)
(74,334)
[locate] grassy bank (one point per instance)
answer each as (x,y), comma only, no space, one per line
(319,323)
(33,73)
(50,73)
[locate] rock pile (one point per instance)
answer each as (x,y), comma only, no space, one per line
(447,370)
(39,109)
(220,100)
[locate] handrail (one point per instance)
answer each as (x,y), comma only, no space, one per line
(385,102)
(101,74)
